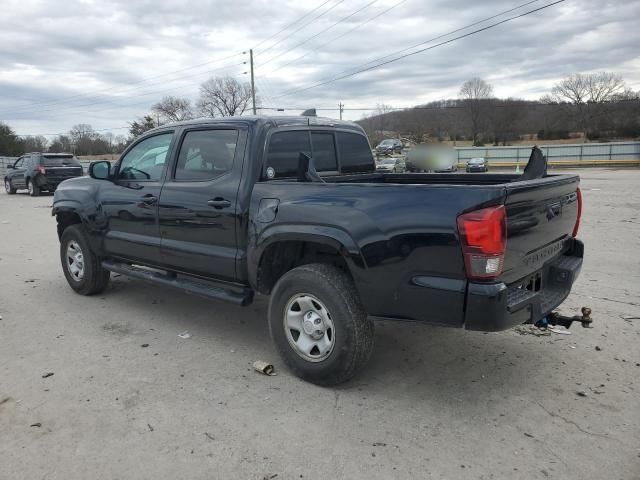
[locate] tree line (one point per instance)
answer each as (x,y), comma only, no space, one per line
(595,106)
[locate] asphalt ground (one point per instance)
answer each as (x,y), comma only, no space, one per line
(433,403)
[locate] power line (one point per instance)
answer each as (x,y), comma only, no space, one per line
(111,100)
(302,26)
(493,25)
(527,104)
(92,93)
(319,33)
(362,24)
(289,25)
(466,27)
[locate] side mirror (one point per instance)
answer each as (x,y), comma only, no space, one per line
(100,170)
(9,166)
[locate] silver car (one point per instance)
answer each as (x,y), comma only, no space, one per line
(391,165)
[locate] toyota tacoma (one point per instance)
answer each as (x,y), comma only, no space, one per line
(292,208)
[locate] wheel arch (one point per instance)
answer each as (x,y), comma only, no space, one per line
(66,215)
(286,247)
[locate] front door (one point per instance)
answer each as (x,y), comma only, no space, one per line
(198,204)
(130,201)
(16,174)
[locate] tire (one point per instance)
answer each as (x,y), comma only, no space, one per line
(34,190)
(93,278)
(342,317)
(8,187)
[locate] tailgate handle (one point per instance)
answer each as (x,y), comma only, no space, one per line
(553,210)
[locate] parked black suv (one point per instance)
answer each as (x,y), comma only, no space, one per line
(389,146)
(41,171)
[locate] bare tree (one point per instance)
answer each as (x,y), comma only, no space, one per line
(505,119)
(587,93)
(36,143)
(62,143)
(224,96)
(474,94)
(173,109)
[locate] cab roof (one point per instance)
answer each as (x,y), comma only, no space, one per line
(259,120)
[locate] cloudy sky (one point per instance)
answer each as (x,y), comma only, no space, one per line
(105,62)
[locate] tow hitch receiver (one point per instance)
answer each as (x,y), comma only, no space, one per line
(554,318)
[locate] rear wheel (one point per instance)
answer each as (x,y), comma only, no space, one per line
(318,324)
(81,266)
(34,190)
(8,187)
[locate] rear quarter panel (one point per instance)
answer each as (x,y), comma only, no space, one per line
(394,232)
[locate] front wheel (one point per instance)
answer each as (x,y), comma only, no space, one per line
(318,324)
(8,187)
(81,266)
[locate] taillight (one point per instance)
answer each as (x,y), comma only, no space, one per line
(483,235)
(40,169)
(577,225)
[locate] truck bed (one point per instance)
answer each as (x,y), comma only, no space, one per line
(408,230)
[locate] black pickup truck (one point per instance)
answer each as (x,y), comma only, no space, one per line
(292,207)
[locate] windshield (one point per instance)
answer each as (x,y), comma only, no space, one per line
(388,162)
(59,160)
(476,160)
(387,142)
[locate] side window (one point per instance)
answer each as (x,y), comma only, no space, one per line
(145,161)
(355,153)
(324,151)
(206,154)
(284,150)
(19,163)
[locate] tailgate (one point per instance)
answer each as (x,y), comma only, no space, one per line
(541,216)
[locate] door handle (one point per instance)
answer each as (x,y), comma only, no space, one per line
(149,199)
(219,202)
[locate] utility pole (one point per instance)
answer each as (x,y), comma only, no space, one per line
(253,87)
(341,108)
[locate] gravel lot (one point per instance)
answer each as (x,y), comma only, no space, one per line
(433,403)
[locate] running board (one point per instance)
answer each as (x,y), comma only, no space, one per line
(240,296)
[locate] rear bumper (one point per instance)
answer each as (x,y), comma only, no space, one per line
(496,306)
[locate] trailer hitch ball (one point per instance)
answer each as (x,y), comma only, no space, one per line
(585,319)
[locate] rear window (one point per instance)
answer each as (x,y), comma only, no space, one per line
(284,150)
(324,151)
(59,161)
(285,147)
(355,153)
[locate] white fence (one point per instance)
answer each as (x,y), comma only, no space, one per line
(555,153)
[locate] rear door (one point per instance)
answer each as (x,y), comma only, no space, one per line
(198,209)
(541,216)
(130,201)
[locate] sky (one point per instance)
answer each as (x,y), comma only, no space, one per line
(106,62)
